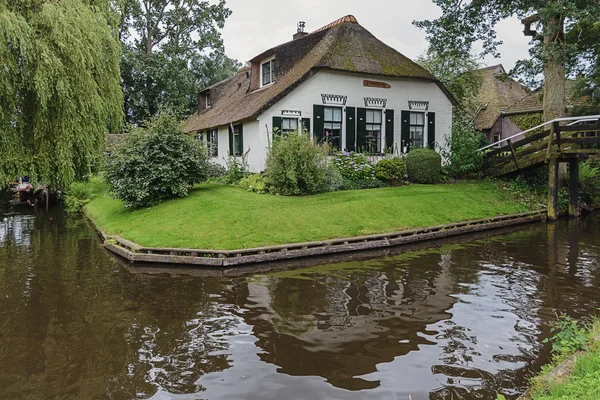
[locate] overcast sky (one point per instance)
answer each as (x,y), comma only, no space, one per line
(257,25)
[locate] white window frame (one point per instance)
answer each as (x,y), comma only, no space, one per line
(212,141)
(424,114)
(271,61)
(290,119)
(378,150)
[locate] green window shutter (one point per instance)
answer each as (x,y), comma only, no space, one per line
(276,125)
(431,130)
(240,149)
(230,129)
(361,129)
(306,123)
(350,128)
(405,130)
(389,130)
(319,116)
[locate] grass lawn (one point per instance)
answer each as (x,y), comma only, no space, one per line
(225,218)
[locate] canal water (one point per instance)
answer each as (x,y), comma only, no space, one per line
(461,321)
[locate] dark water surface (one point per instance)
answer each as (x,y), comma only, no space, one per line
(461,321)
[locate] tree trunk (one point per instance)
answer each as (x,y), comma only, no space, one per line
(554,69)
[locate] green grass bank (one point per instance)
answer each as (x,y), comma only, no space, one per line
(571,376)
(220,217)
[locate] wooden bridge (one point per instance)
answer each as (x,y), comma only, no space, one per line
(560,140)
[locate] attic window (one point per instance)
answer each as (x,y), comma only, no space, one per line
(208,100)
(267,74)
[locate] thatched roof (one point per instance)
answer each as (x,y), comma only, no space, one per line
(534,101)
(497,93)
(343,45)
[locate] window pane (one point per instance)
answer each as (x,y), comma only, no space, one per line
(337,126)
(420,119)
(294,124)
(272,70)
(413,118)
(285,124)
(377,116)
(328,114)
(370,117)
(337,114)
(328,125)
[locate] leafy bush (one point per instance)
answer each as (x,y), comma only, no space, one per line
(81,193)
(424,166)
(461,151)
(589,183)
(215,171)
(237,169)
(254,183)
(155,163)
(332,180)
(354,166)
(569,336)
(363,184)
(392,171)
(295,165)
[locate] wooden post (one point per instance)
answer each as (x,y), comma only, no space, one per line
(574,188)
(553,189)
(47,196)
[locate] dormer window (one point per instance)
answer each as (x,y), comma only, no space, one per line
(267,70)
(208,100)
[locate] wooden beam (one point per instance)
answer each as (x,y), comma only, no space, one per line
(574,188)
(553,189)
(512,150)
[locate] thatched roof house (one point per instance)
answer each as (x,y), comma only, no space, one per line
(333,81)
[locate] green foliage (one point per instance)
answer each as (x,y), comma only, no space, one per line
(155,163)
(568,335)
(461,150)
(526,192)
(392,171)
(215,171)
(349,184)
(423,166)
(589,183)
(237,169)
(59,88)
(458,72)
(81,193)
(528,121)
(175,50)
(354,166)
(332,180)
(254,183)
(295,165)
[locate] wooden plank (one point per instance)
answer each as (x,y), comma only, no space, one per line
(581,128)
(553,189)
(582,140)
(574,188)
(512,150)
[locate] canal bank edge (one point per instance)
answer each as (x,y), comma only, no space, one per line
(136,253)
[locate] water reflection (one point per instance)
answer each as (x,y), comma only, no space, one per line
(461,321)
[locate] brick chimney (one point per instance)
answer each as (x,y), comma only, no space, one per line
(300,33)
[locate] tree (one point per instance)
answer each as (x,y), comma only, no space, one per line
(170,49)
(459,73)
(59,87)
(550,23)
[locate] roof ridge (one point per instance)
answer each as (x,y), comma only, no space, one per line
(348,18)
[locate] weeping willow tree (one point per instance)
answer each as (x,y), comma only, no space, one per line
(59,87)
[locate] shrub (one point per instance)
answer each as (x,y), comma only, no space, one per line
(215,171)
(81,193)
(423,166)
(155,163)
(295,165)
(332,180)
(354,166)
(363,184)
(254,183)
(461,150)
(237,169)
(392,171)
(589,183)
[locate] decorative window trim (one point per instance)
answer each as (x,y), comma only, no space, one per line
(375,102)
(337,99)
(293,113)
(418,105)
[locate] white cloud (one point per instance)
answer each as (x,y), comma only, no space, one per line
(258,25)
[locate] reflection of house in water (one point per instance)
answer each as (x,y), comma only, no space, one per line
(343,325)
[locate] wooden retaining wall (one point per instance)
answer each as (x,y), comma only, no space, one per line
(134,253)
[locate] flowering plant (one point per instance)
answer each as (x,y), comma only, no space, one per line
(354,166)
